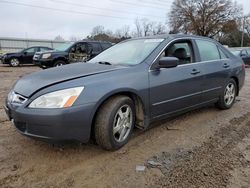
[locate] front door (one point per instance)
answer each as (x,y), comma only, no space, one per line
(28,55)
(179,88)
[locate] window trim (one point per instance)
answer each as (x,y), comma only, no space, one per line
(200,53)
(173,41)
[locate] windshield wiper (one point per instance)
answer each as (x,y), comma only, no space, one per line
(104,63)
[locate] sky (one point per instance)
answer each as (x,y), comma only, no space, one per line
(46,19)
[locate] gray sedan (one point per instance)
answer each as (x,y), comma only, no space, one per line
(129,85)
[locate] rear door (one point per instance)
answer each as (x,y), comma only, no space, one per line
(179,88)
(215,67)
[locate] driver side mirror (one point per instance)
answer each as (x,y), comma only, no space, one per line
(168,62)
(25,53)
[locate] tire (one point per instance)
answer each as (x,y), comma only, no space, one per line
(59,63)
(227,98)
(114,123)
(14,62)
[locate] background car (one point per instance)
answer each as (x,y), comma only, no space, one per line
(70,52)
(25,56)
(243,53)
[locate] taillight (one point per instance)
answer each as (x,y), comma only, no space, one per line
(245,66)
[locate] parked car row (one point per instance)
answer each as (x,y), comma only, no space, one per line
(45,57)
(243,53)
(24,56)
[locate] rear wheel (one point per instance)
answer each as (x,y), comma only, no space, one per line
(228,96)
(14,62)
(59,63)
(114,122)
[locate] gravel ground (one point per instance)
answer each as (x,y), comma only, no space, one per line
(204,148)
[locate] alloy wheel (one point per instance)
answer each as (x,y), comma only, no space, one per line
(122,123)
(229,94)
(14,62)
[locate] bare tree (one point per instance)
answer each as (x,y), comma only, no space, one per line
(74,38)
(59,38)
(159,29)
(97,30)
(125,31)
(147,26)
(138,27)
(202,17)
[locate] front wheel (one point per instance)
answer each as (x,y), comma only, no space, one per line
(114,122)
(228,96)
(14,62)
(59,63)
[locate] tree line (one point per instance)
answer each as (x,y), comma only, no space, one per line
(218,19)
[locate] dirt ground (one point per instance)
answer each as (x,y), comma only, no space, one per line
(203,148)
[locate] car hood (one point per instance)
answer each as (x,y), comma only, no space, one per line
(31,83)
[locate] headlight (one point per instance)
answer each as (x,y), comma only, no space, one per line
(46,56)
(58,99)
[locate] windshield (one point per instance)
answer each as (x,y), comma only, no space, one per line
(131,52)
(235,52)
(64,46)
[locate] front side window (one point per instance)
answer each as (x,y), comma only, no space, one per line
(208,50)
(30,50)
(130,52)
(181,50)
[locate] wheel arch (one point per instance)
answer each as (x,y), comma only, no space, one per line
(140,109)
(60,59)
(237,84)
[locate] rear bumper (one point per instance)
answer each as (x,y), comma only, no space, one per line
(73,124)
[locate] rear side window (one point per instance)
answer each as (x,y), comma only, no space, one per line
(248,51)
(222,54)
(105,45)
(208,50)
(244,53)
(96,47)
(44,49)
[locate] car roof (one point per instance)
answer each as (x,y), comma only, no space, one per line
(173,36)
(38,47)
(92,41)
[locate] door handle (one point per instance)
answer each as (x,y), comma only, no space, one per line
(226,65)
(195,71)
